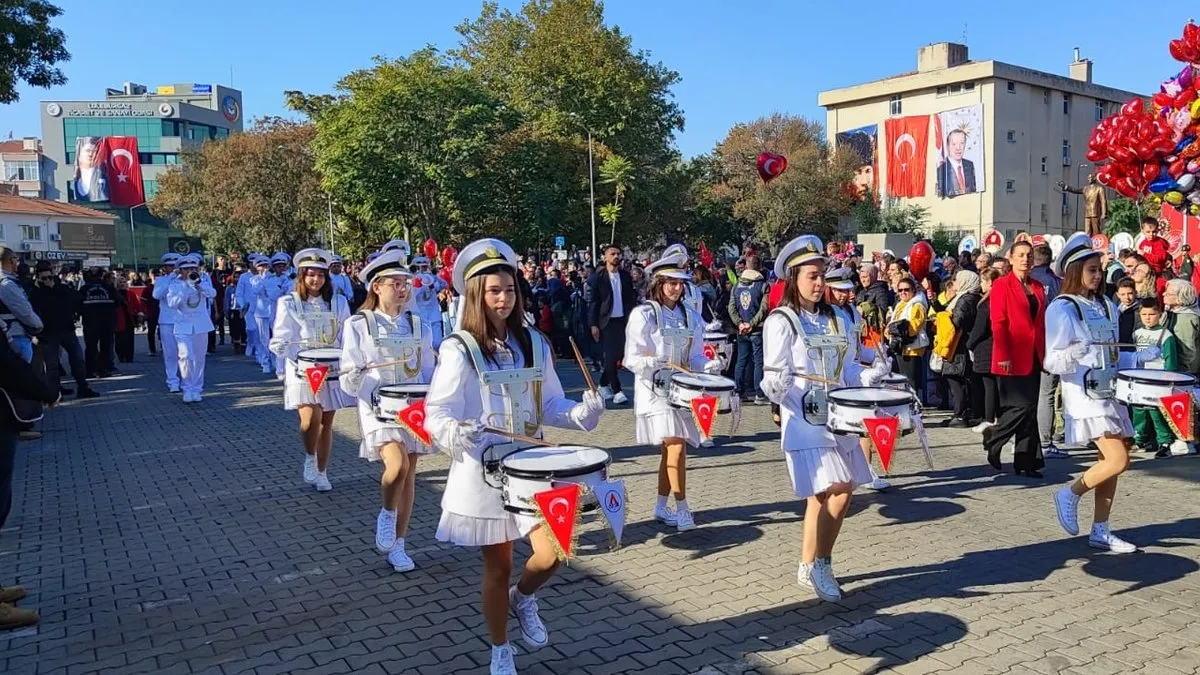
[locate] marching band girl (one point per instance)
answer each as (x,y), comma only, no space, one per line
(805,338)
(311,317)
(386,330)
(166,320)
(664,334)
(1079,321)
(260,304)
(187,297)
(465,397)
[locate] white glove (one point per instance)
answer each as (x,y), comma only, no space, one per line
(776,386)
(462,438)
(1148,353)
(587,412)
(713,326)
(644,364)
(715,366)
(871,377)
(1077,350)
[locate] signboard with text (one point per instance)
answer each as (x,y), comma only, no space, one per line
(58,256)
(88,236)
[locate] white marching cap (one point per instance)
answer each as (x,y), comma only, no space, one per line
(397,245)
(670,266)
(392,263)
(171,259)
(478,256)
(839,279)
(673,249)
(281,258)
(189,260)
(311,257)
(1078,248)
(805,249)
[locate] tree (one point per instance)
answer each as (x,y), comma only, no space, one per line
(29,47)
(808,197)
(617,172)
(1125,215)
(893,216)
(256,190)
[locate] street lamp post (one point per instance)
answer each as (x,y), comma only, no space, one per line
(133,236)
(1078,184)
(591,185)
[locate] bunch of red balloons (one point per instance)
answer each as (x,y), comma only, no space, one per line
(1155,149)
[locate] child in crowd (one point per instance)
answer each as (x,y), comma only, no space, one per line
(1153,332)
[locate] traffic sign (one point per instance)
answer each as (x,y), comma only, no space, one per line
(560,242)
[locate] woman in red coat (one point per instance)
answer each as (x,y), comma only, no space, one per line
(1018,319)
(129,313)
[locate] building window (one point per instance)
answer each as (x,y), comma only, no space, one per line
(1011,136)
(2,237)
(1010,186)
(1066,204)
(1066,104)
(941,91)
(1099,110)
(970,86)
(172,128)
(955,88)
(222,132)
(894,106)
(1044,165)
(31,232)
(150,187)
(1066,153)
(1012,87)
(23,169)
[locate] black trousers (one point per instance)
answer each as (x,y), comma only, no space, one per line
(988,399)
(8,461)
(1018,421)
(151,334)
(612,341)
(98,348)
(124,345)
(52,346)
(913,368)
(960,394)
(237,328)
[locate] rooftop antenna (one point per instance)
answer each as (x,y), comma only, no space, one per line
(231,76)
(964,35)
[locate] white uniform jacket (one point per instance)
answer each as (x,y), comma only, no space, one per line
(648,348)
(162,285)
(190,302)
(456,394)
(786,353)
(1073,324)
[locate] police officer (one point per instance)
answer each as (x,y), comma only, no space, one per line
(748,306)
(99,323)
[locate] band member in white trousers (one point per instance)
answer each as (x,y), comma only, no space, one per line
(189,296)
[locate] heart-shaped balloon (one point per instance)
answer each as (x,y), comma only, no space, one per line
(770,165)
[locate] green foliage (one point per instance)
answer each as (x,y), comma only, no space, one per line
(894,216)
(1125,215)
(30,47)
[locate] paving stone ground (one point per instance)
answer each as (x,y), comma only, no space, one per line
(162,538)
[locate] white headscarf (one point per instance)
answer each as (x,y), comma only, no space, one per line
(965,281)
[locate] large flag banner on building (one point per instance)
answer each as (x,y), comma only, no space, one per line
(908,148)
(107,169)
(861,142)
(958,140)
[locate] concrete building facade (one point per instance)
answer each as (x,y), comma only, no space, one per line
(21,168)
(1036,129)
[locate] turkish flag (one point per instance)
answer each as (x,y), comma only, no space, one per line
(710,351)
(908,148)
(882,431)
(559,507)
(124,171)
(316,377)
(1178,408)
(413,419)
(704,409)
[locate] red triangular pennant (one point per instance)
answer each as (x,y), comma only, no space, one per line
(412,418)
(1177,408)
(710,351)
(704,409)
(559,508)
(882,431)
(316,376)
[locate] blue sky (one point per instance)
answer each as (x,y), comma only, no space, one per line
(738,60)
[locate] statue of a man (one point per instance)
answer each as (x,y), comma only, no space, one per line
(1095,204)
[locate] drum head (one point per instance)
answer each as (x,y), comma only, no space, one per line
(1160,377)
(895,379)
(716,337)
(703,381)
(321,355)
(403,390)
(558,461)
(869,397)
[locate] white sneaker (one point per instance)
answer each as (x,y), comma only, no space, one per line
(322,482)
(385,530)
(684,520)
(1180,448)
(310,468)
(399,560)
(1052,451)
(606,392)
(706,443)
(880,484)
(1066,504)
(982,427)
(1107,541)
(820,579)
(502,660)
(828,563)
(173,388)
(533,631)
(665,514)
(620,398)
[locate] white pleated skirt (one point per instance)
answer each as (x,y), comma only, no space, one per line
(296,393)
(471,531)
(652,428)
(815,470)
(375,439)
(1081,431)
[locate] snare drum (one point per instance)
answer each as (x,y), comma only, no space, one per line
(390,399)
(895,381)
(311,358)
(1144,387)
(723,342)
(681,388)
(525,473)
(849,406)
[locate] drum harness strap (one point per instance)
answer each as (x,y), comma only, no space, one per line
(397,347)
(513,418)
(830,342)
(1097,380)
(672,336)
(316,321)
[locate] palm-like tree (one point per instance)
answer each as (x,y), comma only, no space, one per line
(617,172)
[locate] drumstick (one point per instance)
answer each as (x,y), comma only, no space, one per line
(373,366)
(806,376)
(587,376)
(518,437)
(1113,344)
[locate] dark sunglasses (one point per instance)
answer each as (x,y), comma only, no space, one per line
(904,289)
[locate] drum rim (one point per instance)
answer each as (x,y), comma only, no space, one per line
(1127,374)
(538,474)
(832,396)
(335,356)
(728,385)
(388,391)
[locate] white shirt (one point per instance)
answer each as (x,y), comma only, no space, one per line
(646,348)
(618,306)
